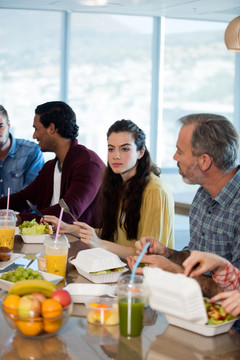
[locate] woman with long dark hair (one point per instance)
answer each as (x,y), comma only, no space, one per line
(134,201)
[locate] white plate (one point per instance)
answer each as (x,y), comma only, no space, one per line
(206,330)
(4,264)
(81,293)
(55,279)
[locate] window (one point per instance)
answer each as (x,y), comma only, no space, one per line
(110,74)
(198,77)
(30,64)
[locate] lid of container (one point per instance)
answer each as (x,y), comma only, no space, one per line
(97,259)
(175,294)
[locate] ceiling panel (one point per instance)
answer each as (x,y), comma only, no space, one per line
(216,10)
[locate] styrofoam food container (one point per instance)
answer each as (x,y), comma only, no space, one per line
(91,260)
(180,299)
(81,293)
(34,239)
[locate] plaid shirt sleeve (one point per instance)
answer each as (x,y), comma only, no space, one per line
(228,278)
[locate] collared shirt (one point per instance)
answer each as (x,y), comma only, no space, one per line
(21,165)
(215,224)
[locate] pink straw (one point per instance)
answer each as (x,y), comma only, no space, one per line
(59,223)
(8,196)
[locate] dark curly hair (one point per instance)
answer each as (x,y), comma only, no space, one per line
(114,192)
(61,115)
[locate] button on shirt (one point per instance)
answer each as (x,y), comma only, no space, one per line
(215,224)
(21,165)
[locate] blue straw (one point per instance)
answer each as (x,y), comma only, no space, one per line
(139,260)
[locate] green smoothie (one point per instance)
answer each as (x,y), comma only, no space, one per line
(137,309)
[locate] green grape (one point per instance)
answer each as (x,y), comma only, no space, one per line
(39,277)
(35,273)
(30,277)
(21,268)
(18,274)
(21,278)
(25,274)
(4,276)
(10,273)
(29,271)
(13,278)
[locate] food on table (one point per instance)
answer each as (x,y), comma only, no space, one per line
(216,314)
(35,312)
(62,296)
(26,287)
(102,314)
(42,262)
(5,253)
(20,274)
(107,271)
(33,228)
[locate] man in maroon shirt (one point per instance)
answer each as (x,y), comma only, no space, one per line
(74,174)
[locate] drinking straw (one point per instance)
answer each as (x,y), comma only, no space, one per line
(129,300)
(138,261)
(59,223)
(8,196)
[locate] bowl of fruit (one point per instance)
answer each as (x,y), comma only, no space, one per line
(36,309)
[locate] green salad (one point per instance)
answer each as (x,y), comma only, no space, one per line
(33,228)
(107,271)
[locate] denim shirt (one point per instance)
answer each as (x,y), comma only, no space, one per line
(21,165)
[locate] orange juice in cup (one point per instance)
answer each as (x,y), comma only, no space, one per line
(7,228)
(56,254)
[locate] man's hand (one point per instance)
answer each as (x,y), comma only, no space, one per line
(155,261)
(155,246)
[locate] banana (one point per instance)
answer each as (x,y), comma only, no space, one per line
(26,287)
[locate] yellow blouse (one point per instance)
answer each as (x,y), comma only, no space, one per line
(156,215)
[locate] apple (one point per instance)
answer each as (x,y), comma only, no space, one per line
(61,296)
(29,306)
(39,296)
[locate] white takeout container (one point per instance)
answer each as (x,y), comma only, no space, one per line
(81,293)
(34,239)
(98,259)
(180,299)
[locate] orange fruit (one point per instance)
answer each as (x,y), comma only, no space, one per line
(30,328)
(11,304)
(51,326)
(51,308)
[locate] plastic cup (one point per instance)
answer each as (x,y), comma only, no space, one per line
(131,301)
(7,228)
(42,262)
(56,254)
